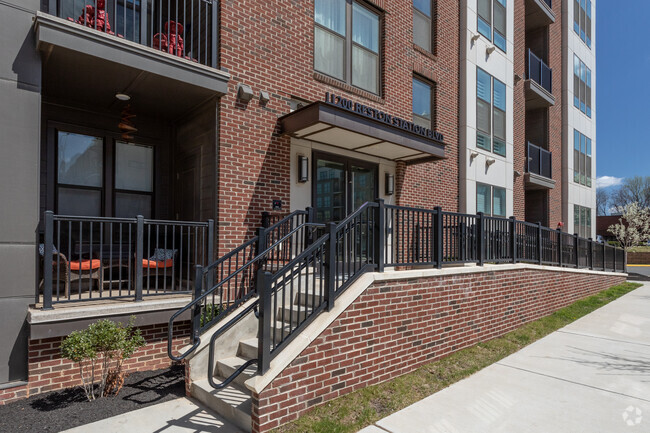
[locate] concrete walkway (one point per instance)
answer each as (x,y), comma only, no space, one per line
(591,376)
(177,416)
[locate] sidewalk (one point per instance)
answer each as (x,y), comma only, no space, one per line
(591,376)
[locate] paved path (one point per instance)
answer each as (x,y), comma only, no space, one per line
(591,376)
(177,416)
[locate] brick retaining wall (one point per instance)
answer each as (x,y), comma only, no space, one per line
(49,372)
(394,327)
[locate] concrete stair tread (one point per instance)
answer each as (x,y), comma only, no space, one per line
(227,366)
(248,348)
(231,402)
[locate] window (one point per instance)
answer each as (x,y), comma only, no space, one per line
(581,159)
(490,113)
(423,103)
(133,179)
(492,18)
(582,20)
(423,24)
(490,200)
(346,43)
(581,86)
(582,221)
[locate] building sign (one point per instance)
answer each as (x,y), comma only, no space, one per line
(381,116)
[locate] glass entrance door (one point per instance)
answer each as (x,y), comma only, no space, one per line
(341,186)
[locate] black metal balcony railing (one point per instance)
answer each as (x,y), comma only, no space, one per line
(183,28)
(89,258)
(539,72)
(539,161)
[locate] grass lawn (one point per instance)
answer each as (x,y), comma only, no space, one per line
(356,410)
(640,249)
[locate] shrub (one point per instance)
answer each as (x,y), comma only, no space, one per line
(97,347)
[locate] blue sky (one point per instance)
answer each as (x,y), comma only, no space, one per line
(622,89)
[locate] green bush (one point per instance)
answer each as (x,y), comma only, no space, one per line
(103,345)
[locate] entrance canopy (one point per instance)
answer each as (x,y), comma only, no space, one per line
(356,127)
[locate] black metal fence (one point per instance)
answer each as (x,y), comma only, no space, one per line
(88,258)
(539,72)
(183,28)
(539,161)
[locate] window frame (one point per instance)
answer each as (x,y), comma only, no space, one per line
(582,89)
(582,221)
(582,21)
(493,108)
(135,192)
(432,99)
(491,24)
(491,189)
(431,20)
(582,161)
(349,44)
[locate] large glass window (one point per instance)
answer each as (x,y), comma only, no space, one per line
(492,21)
(581,159)
(80,174)
(581,86)
(423,103)
(582,221)
(490,113)
(423,24)
(491,200)
(346,42)
(133,179)
(582,20)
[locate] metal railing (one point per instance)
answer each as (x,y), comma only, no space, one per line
(539,72)
(183,28)
(109,258)
(539,161)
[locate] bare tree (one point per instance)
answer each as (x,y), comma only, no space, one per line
(634,189)
(602,201)
(633,226)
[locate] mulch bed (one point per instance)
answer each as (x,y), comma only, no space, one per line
(60,410)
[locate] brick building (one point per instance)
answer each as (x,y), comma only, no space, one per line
(144,140)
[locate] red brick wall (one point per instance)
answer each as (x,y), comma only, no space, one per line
(48,371)
(394,327)
(269,46)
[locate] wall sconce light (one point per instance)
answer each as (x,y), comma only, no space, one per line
(517,78)
(473,154)
(489,161)
(489,50)
(390,184)
(264,97)
(517,173)
(244,92)
(303,169)
(475,37)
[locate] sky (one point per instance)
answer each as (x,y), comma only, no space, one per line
(622,90)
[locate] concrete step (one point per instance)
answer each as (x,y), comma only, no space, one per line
(293,314)
(248,348)
(309,299)
(232,402)
(227,366)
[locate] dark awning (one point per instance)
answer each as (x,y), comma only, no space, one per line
(348,129)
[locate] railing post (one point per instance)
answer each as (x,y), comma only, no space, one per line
(575,250)
(266,219)
(215,27)
(143,23)
(559,248)
(513,239)
(380,235)
(438,237)
(139,241)
(539,243)
(591,254)
(196,311)
(604,260)
(614,260)
(330,280)
(48,259)
(263,287)
(479,238)
(210,252)
(262,233)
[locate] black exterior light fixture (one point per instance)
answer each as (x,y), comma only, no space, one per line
(390,184)
(303,168)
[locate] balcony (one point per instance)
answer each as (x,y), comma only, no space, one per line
(539,13)
(135,46)
(539,90)
(539,169)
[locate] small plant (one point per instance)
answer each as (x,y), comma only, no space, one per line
(210,312)
(97,347)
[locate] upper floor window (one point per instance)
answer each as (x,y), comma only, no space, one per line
(423,24)
(346,43)
(582,221)
(490,113)
(581,159)
(492,19)
(581,86)
(491,200)
(423,103)
(582,20)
